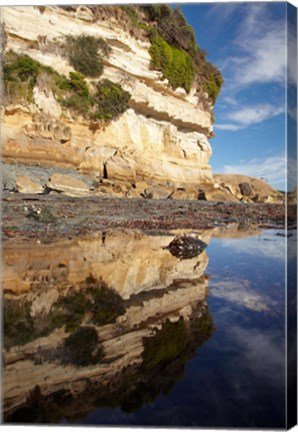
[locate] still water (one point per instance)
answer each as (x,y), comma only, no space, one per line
(197,341)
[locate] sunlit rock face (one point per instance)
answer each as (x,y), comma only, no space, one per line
(154,287)
(162,137)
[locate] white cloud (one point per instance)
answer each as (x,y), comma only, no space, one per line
(239,292)
(248,116)
(262,352)
(261,43)
(279,171)
(267,244)
(229,127)
(272,169)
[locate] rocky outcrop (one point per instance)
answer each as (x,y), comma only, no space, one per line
(248,189)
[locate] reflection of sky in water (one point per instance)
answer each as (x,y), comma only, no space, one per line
(236,379)
(265,244)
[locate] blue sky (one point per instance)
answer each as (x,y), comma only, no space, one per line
(247,42)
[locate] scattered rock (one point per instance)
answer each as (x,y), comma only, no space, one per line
(67,184)
(107,182)
(210,194)
(25,185)
(184,194)
(246,189)
(157,193)
(8,180)
(186,247)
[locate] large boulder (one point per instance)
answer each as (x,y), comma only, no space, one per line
(24,184)
(246,189)
(157,192)
(68,185)
(184,194)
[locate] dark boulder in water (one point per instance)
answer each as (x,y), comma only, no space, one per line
(186,247)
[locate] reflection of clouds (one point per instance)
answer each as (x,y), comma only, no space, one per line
(238,291)
(267,244)
(262,353)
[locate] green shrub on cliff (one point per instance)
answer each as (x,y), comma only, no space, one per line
(105,304)
(175,53)
(167,344)
(20,73)
(82,348)
(176,65)
(109,101)
(76,93)
(102,303)
(104,101)
(211,79)
(18,325)
(85,53)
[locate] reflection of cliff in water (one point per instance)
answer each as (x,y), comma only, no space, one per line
(145,311)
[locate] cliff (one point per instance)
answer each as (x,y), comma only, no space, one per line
(110,100)
(162,137)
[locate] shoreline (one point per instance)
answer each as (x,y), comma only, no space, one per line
(51,217)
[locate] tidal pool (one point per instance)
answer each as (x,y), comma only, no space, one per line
(176,342)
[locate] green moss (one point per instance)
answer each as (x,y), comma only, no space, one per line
(176,65)
(109,101)
(82,347)
(165,345)
(85,54)
(170,31)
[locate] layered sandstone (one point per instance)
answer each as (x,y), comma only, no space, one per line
(162,137)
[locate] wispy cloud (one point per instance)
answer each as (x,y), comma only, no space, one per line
(272,169)
(267,244)
(240,292)
(229,127)
(259,50)
(247,116)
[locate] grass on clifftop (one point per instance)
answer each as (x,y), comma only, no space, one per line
(174,50)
